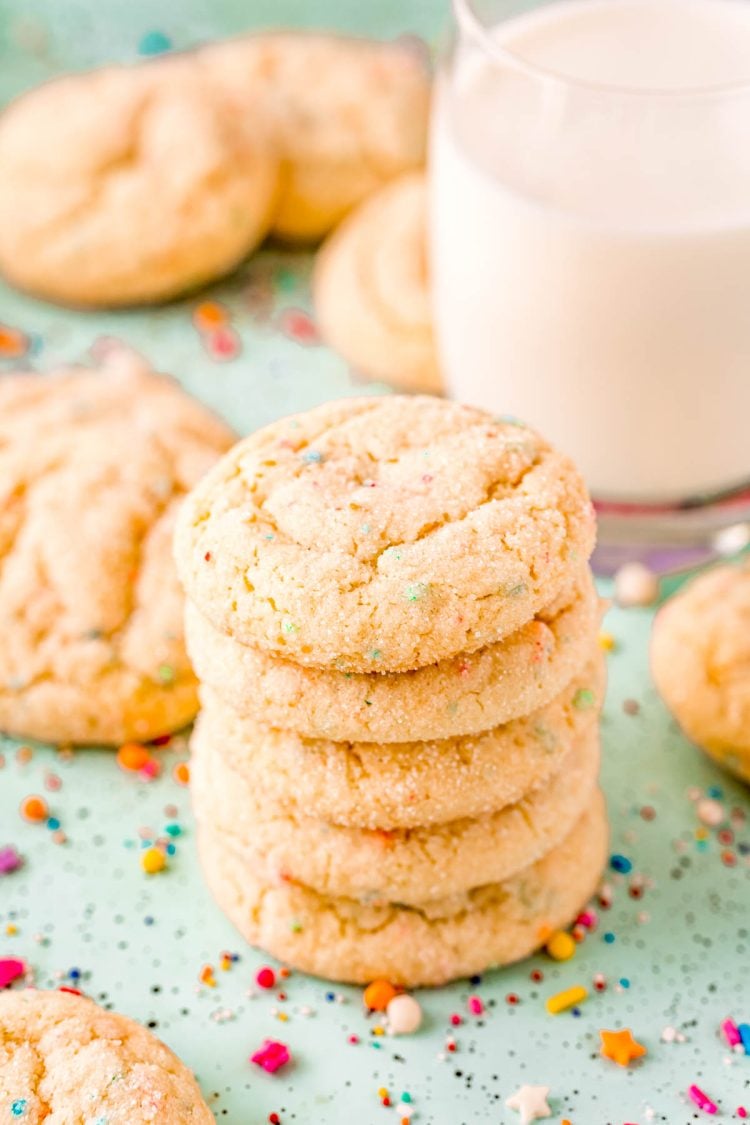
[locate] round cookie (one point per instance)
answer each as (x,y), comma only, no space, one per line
(700,660)
(371,290)
(381,535)
(410,866)
(130,185)
(456,937)
(346,115)
(93,465)
(463,695)
(402,784)
(64,1059)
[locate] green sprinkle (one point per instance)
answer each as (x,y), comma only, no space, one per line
(289,627)
(295,926)
(583,699)
(375,654)
(416,591)
(406,1098)
(173,830)
(166,673)
(269,536)
(515,591)
(365,529)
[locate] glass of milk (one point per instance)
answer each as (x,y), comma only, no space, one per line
(590,245)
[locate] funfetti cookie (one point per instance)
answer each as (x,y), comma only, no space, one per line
(466,694)
(93,465)
(130,185)
(382,535)
(371,288)
(408,784)
(454,937)
(346,115)
(64,1059)
(700,659)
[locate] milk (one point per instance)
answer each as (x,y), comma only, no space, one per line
(590,237)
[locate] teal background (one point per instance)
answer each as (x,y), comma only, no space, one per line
(679,955)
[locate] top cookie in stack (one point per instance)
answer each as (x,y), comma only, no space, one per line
(395,769)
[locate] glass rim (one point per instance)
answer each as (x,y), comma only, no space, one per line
(470,23)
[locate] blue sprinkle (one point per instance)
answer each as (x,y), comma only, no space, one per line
(18,1107)
(74,974)
(620,863)
(330,997)
(744,1030)
(609,937)
(716,792)
(154,43)
(171,849)
(624,982)
(148,920)
(576,1012)
(53,823)
(312,456)
(475,980)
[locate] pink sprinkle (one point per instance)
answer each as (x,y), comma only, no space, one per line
(353,1039)
(10,860)
(456,1019)
(731,1033)
(150,769)
(587,918)
(10,969)
(271,1055)
(222,343)
(265,977)
(741,1111)
(476,1007)
(702,1100)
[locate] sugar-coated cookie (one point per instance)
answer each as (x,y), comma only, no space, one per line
(371,289)
(411,866)
(130,185)
(700,659)
(456,937)
(463,695)
(378,535)
(345,114)
(63,1059)
(403,785)
(93,465)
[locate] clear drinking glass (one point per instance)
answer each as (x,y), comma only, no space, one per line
(590,251)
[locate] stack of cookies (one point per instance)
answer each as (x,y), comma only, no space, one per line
(395,628)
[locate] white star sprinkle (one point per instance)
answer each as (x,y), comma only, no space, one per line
(530,1102)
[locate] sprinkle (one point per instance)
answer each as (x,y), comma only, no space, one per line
(404,1015)
(710,812)
(744,1030)
(475,1005)
(731,1033)
(34,809)
(132,756)
(181,773)
(620,1046)
(606,642)
(312,456)
(609,937)
(702,1100)
(10,969)
(271,1055)
(561,1001)
(207,977)
(265,977)
(153,861)
(561,946)
(416,591)
(636,585)
(584,699)
(378,995)
(513,998)
(210,315)
(620,863)
(154,43)
(18,1107)
(10,860)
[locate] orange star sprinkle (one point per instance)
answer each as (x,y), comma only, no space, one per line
(621,1047)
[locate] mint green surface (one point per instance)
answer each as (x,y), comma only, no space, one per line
(140,943)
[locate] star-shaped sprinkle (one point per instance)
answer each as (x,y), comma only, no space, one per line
(621,1047)
(530,1102)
